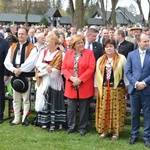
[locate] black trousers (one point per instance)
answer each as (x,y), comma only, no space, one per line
(2,96)
(83,105)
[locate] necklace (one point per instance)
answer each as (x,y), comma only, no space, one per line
(109,61)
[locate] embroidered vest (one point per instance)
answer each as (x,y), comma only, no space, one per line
(29,48)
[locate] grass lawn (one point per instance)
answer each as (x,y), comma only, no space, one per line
(35,138)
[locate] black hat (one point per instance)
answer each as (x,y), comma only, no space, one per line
(19,84)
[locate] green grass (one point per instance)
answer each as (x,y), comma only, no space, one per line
(34,138)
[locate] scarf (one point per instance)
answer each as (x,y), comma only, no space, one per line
(76,59)
(118,62)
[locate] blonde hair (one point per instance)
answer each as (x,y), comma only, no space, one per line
(53,37)
(75,39)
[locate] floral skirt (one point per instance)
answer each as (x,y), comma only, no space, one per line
(111,110)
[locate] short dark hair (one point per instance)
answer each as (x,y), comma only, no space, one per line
(92,30)
(24,29)
(121,32)
(109,41)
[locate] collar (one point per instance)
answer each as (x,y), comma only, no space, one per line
(142,51)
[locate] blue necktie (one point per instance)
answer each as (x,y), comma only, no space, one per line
(32,40)
(89,45)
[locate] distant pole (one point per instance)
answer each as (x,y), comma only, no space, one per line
(106,14)
(124,16)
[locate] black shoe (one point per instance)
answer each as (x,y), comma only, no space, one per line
(70,131)
(147,143)
(25,122)
(35,121)
(132,140)
(13,124)
(82,133)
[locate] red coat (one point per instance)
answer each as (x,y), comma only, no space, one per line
(86,67)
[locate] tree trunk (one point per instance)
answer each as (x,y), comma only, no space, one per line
(72,11)
(141,11)
(27,9)
(104,13)
(112,18)
(79,13)
(149,14)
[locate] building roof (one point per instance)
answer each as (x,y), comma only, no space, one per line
(95,21)
(9,17)
(120,19)
(127,14)
(53,12)
(65,20)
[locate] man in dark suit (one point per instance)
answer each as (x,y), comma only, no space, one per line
(96,47)
(138,74)
(4,46)
(32,39)
(123,46)
(91,44)
(103,36)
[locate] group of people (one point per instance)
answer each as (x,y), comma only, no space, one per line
(107,67)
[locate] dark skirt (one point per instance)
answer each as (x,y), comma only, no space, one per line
(54,110)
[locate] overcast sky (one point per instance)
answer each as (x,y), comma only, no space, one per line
(122,3)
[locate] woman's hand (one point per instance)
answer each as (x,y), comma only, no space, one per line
(76,81)
(49,68)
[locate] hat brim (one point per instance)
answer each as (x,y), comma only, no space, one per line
(136,28)
(19,84)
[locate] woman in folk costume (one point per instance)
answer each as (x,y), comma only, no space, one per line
(49,95)
(111,90)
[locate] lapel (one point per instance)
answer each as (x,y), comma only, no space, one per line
(94,46)
(137,57)
(146,59)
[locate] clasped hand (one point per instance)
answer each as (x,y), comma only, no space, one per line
(49,68)
(140,86)
(17,72)
(76,81)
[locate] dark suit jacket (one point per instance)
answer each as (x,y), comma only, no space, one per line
(4,46)
(98,50)
(125,47)
(35,40)
(135,72)
(103,40)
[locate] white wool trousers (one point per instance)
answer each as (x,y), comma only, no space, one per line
(18,99)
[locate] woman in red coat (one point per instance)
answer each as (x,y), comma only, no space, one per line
(78,68)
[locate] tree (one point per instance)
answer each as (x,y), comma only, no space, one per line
(6,6)
(44,21)
(104,13)
(58,4)
(77,11)
(112,18)
(37,7)
(132,9)
(149,14)
(141,11)
(27,5)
